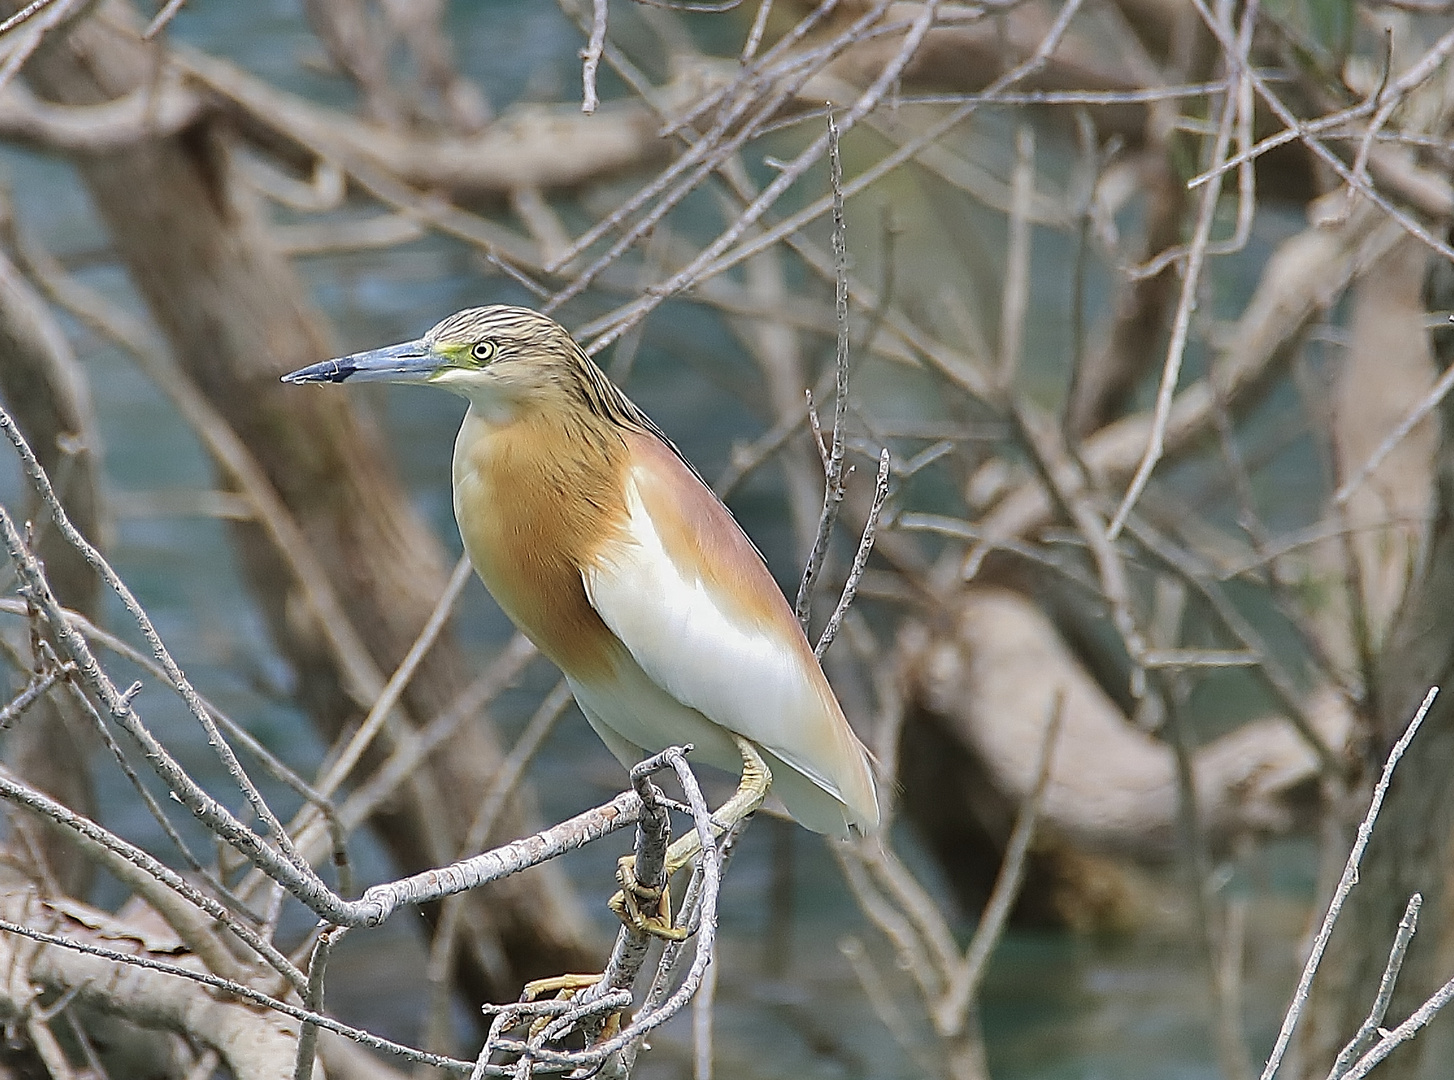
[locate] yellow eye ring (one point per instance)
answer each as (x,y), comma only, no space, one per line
(483,351)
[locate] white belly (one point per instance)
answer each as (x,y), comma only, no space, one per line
(636,718)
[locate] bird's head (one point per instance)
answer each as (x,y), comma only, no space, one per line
(499,357)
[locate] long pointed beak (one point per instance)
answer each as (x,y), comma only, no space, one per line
(409,361)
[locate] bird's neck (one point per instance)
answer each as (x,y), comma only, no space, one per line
(570,451)
(543,397)
(493,406)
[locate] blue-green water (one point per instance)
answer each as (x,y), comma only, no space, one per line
(1054,1007)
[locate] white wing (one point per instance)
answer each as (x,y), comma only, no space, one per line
(744,677)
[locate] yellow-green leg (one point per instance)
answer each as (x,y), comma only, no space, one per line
(649,910)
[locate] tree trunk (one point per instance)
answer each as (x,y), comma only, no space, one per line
(46,393)
(1411,846)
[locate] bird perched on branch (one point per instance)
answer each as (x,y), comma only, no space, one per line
(608,551)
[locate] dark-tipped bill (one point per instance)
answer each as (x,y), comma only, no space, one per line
(410,361)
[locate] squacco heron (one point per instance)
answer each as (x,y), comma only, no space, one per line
(604,546)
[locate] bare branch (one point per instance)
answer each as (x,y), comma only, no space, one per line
(860,558)
(1335,906)
(381,901)
(759,26)
(162,18)
(1190,283)
(1406,927)
(1426,405)
(126,853)
(591,57)
(230,988)
(313,1001)
(145,113)
(833,461)
(964,982)
(1016,298)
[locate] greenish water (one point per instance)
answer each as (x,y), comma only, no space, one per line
(1055,1007)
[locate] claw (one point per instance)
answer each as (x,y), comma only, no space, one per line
(642,908)
(558,984)
(565,987)
(648,910)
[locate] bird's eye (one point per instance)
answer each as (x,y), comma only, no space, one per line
(483,351)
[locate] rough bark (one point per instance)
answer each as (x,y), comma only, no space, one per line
(237,316)
(1387,371)
(1413,843)
(45,390)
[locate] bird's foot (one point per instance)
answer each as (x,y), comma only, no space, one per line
(648,909)
(565,987)
(642,907)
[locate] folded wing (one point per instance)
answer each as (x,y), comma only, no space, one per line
(685,591)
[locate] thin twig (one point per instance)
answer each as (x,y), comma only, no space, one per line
(42,485)
(38,686)
(965,980)
(930,971)
(381,901)
(701,266)
(703,1006)
(361,677)
(885,1007)
(1289,119)
(244,993)
(503,670)
(494,803)
(1273,674)
(754,74)
(1426,405)
(1391,97)
(591,57)
(34,21)
(759,27)
(25,14)
(235,731)
(149,800)
(313,1001)
(163,17)
(40,803)
(728,133)
(1406,927)
(297,876)
(730,248)
(1403,1033)
(833,488)
(653,1015)
(398,682)
(1340,894)
(1187,302)
(860,558)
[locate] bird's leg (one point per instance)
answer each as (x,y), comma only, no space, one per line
(649,909)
